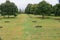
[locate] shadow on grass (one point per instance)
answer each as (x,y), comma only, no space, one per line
(56,18)
(7,18)
(43,18)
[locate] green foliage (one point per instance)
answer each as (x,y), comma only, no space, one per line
(27,10)
(31,9)
(44,8)
(56,9)
(0,9)
(8,8)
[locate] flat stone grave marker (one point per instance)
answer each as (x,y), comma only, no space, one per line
(7,21)
(1,26)
(0,38)
(38,26)
(34,21)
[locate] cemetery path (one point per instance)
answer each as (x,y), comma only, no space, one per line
(14,29)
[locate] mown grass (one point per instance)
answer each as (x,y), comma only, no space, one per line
(22,28)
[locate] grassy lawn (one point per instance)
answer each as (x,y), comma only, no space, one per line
(22,28)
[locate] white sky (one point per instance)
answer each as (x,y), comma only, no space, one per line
(21,4)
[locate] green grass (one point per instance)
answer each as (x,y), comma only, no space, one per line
(22,28)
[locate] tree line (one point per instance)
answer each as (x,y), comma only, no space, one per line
(43,8)
(8,8)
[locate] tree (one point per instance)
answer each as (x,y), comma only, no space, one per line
(27,10)
(44,8)
(9,8)
(56,9)
(31,9)
(0,9)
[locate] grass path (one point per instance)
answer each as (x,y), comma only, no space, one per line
(14,29)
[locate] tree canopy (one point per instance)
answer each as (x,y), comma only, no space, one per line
(8,8)
(56,9)
(43,8)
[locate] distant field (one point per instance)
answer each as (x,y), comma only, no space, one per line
(22,28)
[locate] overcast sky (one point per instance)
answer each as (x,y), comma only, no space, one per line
(21,4)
